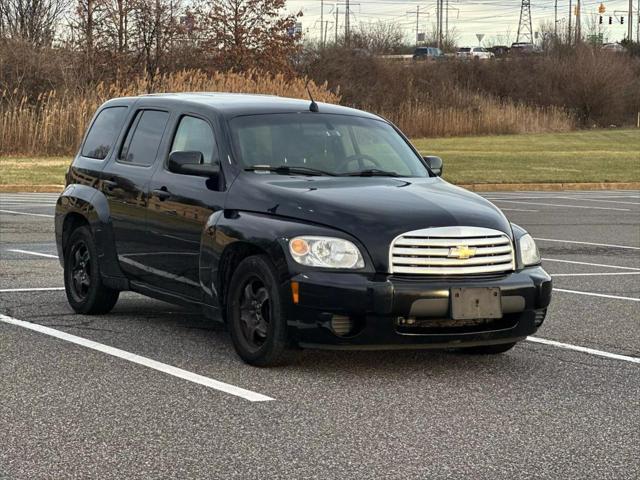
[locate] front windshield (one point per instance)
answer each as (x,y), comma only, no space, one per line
(334,144)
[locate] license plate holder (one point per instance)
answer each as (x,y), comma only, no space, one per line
(475,303)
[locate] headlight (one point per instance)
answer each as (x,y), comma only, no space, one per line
(327,252)
(528,251)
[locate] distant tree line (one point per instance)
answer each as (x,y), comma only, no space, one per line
(46,43)
(76,45)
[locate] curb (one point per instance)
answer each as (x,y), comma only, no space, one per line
(548,187)
(31,188)
(474,187)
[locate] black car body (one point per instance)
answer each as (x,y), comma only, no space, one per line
(184,214)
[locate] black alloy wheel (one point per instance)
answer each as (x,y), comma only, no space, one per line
(83,284)
(80,271)
(255,314)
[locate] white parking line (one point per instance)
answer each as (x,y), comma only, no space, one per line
(42,289)
(578,348)
(586,243)
(593,274)
(589,264)
(26,213)
(567,206)
(592,294)
(140,360)
(30,204)
(27,252)
(518,210)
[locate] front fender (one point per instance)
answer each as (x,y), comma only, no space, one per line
(254,232)
(87,204)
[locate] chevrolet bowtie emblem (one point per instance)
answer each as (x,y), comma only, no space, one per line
(462,252)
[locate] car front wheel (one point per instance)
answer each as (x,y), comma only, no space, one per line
(254,313)
(82,281)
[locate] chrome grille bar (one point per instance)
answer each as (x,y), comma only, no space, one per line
(451,251)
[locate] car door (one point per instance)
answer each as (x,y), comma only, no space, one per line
(179,207)
(125,184)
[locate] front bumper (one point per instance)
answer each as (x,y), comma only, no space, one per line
(391,312)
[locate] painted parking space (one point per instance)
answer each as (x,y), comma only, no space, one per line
(334,414)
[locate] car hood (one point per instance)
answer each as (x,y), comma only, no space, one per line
(374,210)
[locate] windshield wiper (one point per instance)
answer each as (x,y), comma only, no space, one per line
(372,172)
(286,169)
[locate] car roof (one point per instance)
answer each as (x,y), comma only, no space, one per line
(236,104)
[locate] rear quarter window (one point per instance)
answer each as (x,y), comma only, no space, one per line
(103,132)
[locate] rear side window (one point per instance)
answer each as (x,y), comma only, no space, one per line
(194,134)
(143,139)
(103,132)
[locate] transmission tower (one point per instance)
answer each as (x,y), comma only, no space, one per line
(525,31)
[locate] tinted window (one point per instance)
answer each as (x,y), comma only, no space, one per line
(194,134)
(103,132)
(142,142)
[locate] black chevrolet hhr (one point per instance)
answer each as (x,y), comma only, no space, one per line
(296,224)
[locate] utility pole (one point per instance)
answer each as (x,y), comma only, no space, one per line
(346,23)
(417,13)
(446,22)
(578,22)
(570,17)
(337,18)
(630,25)
(321,23)
(555,22)
(440,22)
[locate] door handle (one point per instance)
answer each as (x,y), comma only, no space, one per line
(161,193)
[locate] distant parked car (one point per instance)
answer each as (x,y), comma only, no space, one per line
(474,52)
(523,48)
(614,47)
(427,53)
(499,50)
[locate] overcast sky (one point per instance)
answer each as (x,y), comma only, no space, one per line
(496,19)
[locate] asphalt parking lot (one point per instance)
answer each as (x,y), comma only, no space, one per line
(565,404)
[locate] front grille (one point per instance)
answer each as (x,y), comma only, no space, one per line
(451,251)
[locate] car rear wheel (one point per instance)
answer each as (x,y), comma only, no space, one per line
(489,349)
(82,281)
(254,313)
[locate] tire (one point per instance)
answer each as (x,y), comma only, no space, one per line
(82,281)
(489,349)
(254,313)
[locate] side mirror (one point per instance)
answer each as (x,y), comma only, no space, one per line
(191,163)
(435,164)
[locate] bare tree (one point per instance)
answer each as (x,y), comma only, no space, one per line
(378,37)
(32,21)
(156,23)
(118,24)
(247,34)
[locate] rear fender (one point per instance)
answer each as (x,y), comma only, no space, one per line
(82,203)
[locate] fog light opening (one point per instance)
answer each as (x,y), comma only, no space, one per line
(539,315)
(341,325)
